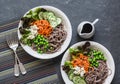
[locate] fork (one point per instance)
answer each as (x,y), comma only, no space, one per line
(13,44)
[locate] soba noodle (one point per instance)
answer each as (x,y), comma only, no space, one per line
(56,38)
(98,75)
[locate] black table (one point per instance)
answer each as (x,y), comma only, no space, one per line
(107,29)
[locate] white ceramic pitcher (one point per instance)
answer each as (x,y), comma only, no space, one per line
(88,34)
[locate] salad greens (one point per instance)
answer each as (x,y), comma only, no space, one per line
(24,31)
(26,22)
(73,51)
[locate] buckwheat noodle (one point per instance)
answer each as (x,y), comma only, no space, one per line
(97,75)
(56,38)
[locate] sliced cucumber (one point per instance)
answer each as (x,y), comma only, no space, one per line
(50,14)
(40,15)
(71,76)
(45,15)
(78,80)
(58,20)
(71,71)
(53,24)
(52,18)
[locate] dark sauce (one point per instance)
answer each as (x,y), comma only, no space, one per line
(87,28)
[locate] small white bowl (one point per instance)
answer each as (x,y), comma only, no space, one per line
(67,27)
(107,54)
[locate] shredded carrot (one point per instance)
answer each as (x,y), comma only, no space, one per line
(81,61)
(44,27)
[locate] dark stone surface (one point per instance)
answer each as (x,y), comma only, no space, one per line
(107,29)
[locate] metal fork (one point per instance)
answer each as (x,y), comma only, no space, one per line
(12,42)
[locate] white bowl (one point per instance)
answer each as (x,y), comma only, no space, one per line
(67,27)
(110,61)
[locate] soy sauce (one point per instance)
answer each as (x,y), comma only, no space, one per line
(87,28)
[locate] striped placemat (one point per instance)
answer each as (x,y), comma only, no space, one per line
(38,71)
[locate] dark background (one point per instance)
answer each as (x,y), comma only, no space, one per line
(107,29)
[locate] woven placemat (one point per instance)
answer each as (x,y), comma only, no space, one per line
(38,71)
